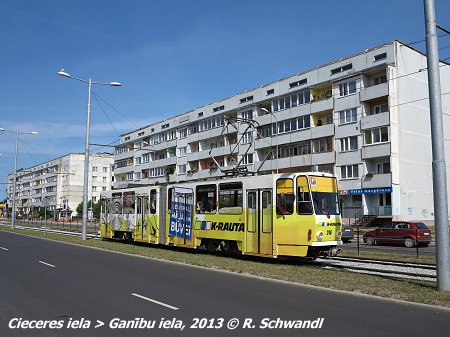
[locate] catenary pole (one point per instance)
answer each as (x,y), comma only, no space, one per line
(437,142)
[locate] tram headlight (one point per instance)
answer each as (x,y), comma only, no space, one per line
(338,234)
(319,235)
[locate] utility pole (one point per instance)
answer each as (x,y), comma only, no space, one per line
(437,142)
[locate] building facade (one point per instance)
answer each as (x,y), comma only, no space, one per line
(364,118)
(58,184)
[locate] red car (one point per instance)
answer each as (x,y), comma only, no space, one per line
(408,233)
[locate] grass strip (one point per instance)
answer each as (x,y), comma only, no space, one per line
(403,289)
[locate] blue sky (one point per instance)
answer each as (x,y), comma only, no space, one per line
(170,56)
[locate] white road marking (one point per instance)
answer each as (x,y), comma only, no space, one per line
(47,264)
(4,248)
(155,301)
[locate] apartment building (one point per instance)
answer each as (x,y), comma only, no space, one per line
(58,183)
(364,117)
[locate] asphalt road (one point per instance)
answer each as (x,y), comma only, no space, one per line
(53,281)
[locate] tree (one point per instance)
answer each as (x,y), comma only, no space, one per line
(96,208)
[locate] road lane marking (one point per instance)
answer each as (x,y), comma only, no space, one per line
(47,264)
(155,301)
(4,248)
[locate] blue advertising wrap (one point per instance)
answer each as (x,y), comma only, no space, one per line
(181,216)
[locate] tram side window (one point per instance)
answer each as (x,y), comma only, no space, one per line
(303,196)
(285,196)
(152,201)
(117,203)
(230,198)
(128,202)
(106,205)
(206,199)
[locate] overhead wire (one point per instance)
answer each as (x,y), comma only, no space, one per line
(106,115)
(96,95)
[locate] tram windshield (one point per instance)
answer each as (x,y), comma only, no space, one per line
(325,203)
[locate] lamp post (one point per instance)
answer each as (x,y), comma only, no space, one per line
(86,150)
(13,210)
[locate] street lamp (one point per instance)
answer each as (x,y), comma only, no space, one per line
(17,132)
(86,151)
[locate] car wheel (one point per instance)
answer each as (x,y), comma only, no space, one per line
(410,242)
(370,241)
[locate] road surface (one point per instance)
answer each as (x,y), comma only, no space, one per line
(72,289)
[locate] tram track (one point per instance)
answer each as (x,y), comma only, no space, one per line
(381,268)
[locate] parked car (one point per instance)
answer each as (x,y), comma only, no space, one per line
(347,233)
(408,233)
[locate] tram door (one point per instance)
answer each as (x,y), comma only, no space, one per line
(259,230)
(142,216)
(181,214)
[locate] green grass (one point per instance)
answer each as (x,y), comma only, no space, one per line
(407,290)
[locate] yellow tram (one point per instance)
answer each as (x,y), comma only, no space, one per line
(292,214)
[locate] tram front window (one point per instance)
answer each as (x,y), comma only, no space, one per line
(325,203)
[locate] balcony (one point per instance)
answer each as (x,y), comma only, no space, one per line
(376,150)
(211,133)
(322,105)
(124,155)
(323,158)
(373,121)
(374,91)
(322,131)
(377,180)
(125,169)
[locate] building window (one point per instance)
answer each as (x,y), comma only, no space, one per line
(349,171)
(137,176)
(298,83)
(383,168)
(94,169)
(247,138)
(104,188)
(340,69)
(183,133)
(265,131)
(349,143)
(183,151)
(347,88)
(247,159)
(376,135)
(130,176)
(347,116)
(247,114)
(378,109)
(291,101)
(219,108)
(270,92)
(145,157)
(105,169)
(379,79)
(379,57)
(104,179)
(246,99)
(182,169)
